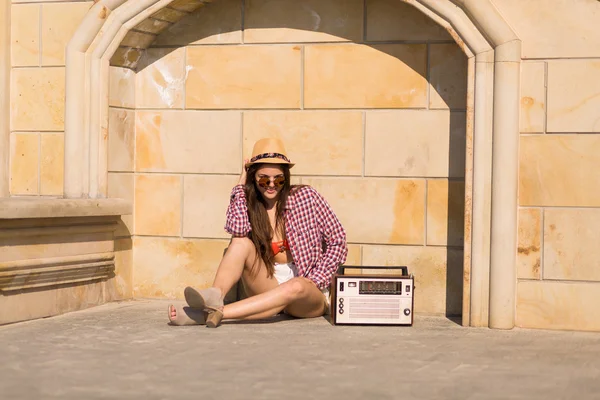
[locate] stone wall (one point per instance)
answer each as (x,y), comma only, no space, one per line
(369,98)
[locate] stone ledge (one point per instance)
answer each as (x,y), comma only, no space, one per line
(18,208)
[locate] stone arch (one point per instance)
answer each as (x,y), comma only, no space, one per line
(494,53)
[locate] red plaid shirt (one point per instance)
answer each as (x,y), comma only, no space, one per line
(309,221)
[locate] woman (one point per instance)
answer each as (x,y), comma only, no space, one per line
(278,231)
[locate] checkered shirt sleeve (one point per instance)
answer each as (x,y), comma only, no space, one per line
(333,234)
(237,222)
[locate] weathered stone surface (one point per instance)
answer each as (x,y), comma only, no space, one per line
(445,212)
(39,207)
(205,200)
(558,305)
(157,208)
(121,186)
(164,267)
(437,270)
(52,160)
(559,170)
(386,211)
(37,99)
(121,139)
(573,96)
(24,163)
(283,21)
(423,143)
(318,142)
(188,141)
(571,238)
(529,243)
(337,76)
(533,97)
(161,78)
(25,35)
(121,92)
(447,77)
(243,77)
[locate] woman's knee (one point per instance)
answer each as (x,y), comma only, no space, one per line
(295,288)
(241,244)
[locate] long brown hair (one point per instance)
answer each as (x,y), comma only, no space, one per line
(262,233)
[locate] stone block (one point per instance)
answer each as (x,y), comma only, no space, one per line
(379,211)
(24,163)
(169,15)
(437,271)
(288,21)
(127,57)
(395,20)
(243,77)
(121,139)
(161,78)
(529,243)
(571,238)
(37,99)
(533,97)
(423,143)
(445,212)
(165,266)
(150,25)
(121,92)
(337,76)
(558,305)
(59,22)
(121,186)
(25,35)
(157,207)
(354,256)
(139,40)
(318,142)
(573,96)
(447,77)
(205,201)
(52,161)
(219,22)
(120,287)
(188,141)
(561,29)
(559,170)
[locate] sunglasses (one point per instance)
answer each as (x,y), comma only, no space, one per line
(264,181)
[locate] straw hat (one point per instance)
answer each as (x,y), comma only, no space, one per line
(269,151)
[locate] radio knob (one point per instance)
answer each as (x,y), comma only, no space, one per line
(341,310)
(407,312)
(341,305)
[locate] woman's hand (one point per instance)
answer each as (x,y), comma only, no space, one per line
(242,180)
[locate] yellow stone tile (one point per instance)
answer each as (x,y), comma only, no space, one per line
(173,141)
(169,15)
(558,305)
(445,212)
(571,238)
(123,280)
(448,77)
(121,92)
(24,162)
(25,35)
(354,255)
(164,267)
(561,29)
(151,25)
(559,170)
(243,77)
(395,20)
(157,206)
(386,211)
(437,271)
(337,76)
(59,22)
(120,186)
(533,97)
(529,243)
(318,142)
(284,21)
(205,200)
(121,139)
(573,96)
(127,57)
(138,40)
(219,22)
(160,79)
(37,99)
(52,162)
(427,143)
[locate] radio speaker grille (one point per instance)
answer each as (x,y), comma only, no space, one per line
(374,308)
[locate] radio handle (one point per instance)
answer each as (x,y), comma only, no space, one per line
(342,268)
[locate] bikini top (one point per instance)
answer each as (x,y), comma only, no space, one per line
(279,247)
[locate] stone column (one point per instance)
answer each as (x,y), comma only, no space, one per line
(4,96)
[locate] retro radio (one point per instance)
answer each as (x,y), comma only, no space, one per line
(372,299)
